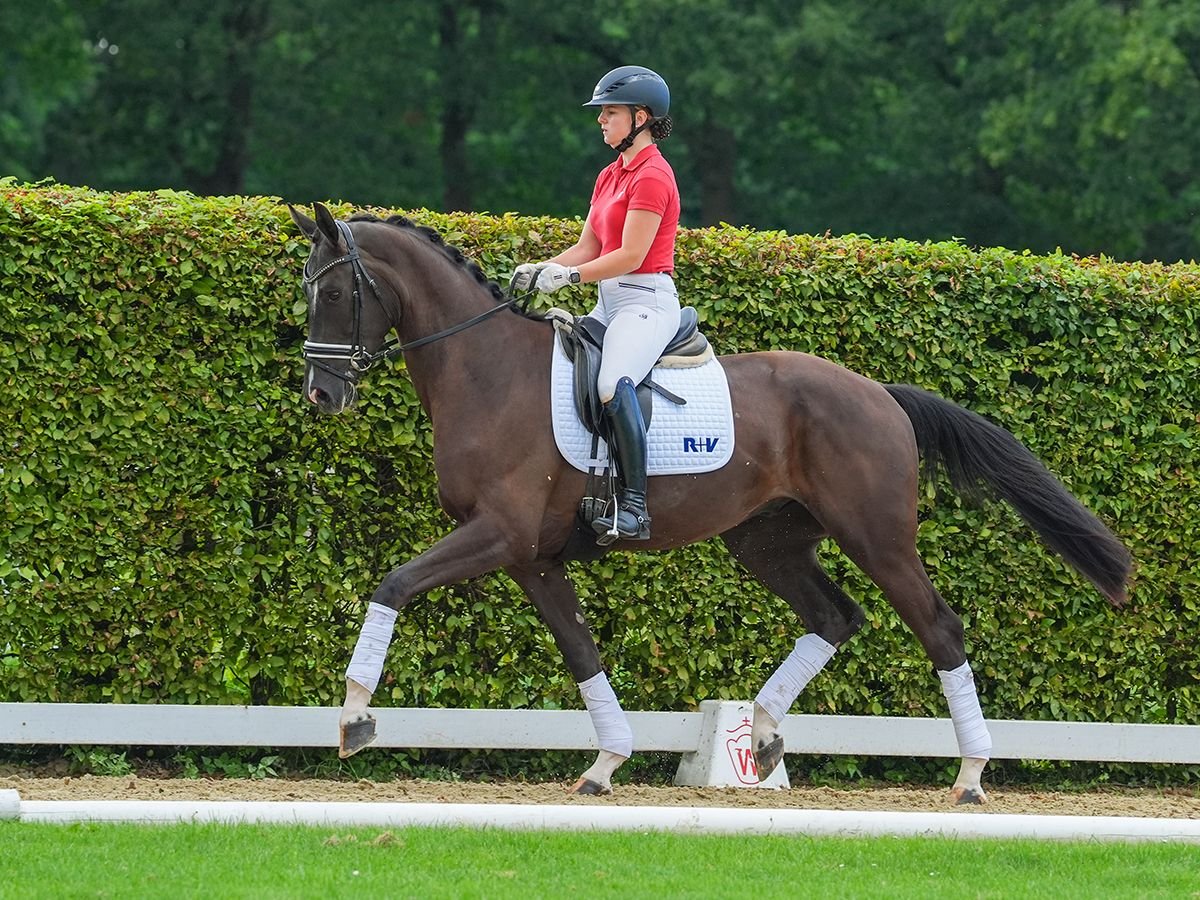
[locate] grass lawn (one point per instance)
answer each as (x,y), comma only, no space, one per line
(38,860)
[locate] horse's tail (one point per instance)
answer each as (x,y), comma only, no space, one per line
(980,458)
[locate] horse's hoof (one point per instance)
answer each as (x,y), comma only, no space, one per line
(355,736)
(968,797)
(767,756)
(587,787)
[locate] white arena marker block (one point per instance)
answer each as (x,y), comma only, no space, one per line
(724,756)
(10,805)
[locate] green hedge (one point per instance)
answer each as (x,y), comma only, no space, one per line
(179,526)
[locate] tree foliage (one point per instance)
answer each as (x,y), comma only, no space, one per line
(1002,122)
(46,65)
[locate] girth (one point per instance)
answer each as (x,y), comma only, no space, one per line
(582,341)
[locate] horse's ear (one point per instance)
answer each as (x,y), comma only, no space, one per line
(327,223)
(306,225)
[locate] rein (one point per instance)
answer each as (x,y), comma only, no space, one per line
(355,353)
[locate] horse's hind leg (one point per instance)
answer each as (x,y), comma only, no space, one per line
(884,547)
(779,549)
(940,631)
(551,592)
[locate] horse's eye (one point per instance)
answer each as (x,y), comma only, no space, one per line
(333,296)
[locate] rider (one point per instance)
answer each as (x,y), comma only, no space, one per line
(628,246)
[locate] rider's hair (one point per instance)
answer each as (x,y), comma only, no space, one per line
(660,129)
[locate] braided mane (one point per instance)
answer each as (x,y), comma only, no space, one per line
(456,256)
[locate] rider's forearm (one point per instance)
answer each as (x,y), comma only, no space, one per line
(621,261)
(575,256)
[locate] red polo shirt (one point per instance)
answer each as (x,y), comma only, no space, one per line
(647,183)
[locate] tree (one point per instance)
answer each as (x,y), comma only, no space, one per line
(46,63)
(1091,117)
(1004,122)
(172,99)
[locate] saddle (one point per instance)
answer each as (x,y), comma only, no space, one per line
(582,340)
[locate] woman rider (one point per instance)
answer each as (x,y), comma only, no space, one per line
(628,247)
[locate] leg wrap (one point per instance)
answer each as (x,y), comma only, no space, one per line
(969,727)
(803,663)
(612,727)
(366,665)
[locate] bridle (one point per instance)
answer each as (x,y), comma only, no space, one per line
(356,354)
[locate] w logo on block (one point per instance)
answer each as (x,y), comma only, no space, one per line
(740,753)
(724,753)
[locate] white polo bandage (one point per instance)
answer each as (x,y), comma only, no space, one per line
(969,727)
(802,665)
(366,665)
(612,727)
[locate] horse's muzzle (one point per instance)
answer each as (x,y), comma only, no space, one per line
(329,404)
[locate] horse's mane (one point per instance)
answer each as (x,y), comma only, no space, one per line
(456,256)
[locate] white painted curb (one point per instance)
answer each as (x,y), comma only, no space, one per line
(690,820)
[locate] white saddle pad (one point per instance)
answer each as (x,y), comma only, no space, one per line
(682,440)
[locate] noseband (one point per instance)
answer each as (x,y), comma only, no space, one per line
(361,359)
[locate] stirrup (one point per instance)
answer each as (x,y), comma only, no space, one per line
(609,533)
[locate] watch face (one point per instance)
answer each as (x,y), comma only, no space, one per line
(574,278)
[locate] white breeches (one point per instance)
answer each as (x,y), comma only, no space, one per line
(642,314)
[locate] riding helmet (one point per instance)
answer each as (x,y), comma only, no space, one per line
(633,86)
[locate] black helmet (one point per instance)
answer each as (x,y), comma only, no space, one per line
(633,86)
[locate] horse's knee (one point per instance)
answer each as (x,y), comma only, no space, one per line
(392,591)
(853,620)
(952,626)
(838,619)
(950,651)
(834,622)
(942,635)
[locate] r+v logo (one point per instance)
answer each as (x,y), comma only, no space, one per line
(700,444)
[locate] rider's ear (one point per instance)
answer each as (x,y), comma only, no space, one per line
(327,224)
(306,225)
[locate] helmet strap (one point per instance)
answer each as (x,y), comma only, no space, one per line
(635,130)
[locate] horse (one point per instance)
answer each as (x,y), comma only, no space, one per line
(820,453)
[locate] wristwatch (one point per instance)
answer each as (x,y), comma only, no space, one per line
(573,276)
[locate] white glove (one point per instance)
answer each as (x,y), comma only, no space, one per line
(522,279)
(554,276)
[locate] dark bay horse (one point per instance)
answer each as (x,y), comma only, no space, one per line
(820,452)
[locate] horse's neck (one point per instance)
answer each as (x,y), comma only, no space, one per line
(471,374)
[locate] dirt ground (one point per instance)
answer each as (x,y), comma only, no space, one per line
(1178,803)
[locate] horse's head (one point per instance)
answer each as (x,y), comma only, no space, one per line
(347,322)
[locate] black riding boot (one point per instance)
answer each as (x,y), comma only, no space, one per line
(627,433)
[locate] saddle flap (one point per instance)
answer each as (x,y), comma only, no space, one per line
(587,370)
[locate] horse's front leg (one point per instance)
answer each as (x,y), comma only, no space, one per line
(551,592)
(472,549)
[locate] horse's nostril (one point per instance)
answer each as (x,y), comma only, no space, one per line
(316,395)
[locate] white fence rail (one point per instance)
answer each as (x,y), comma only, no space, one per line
(509,729)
